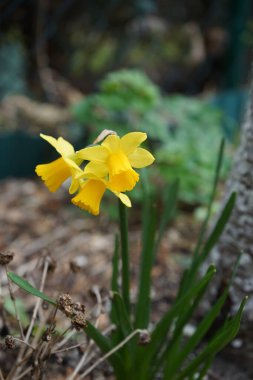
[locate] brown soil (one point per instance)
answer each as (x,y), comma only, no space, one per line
(35,223)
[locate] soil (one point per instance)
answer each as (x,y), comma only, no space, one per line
(35,223)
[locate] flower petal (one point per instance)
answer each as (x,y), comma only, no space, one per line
(54,173)
(90,196)
(131,141)
(118,163)
(95,153)
(63,147)
(124,181)
(112,143)
(124,199)
(141,158)
(100,169)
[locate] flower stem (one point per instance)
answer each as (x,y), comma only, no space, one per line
(124,254)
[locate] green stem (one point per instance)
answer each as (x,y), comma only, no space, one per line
(124,254)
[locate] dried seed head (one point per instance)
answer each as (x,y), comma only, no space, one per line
(78,306)
(46,337)
(10,342)
(65,304)
(79,321)
(6,257)
(144,337)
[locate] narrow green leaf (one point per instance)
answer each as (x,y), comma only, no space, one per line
(168,212)
(115,266)
(190,275)
(25,285)
(115,335)
(123,329)
(212,196)
(203,371)
(9,306)
(122,315)
(146,357)
(105,345)
(221,339)
(146,263)
(124,254)
(174,355)
(175,361)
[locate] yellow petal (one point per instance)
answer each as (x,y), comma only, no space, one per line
(54,173)
(90,196)
(141,158)
(124,199)
(118,163)
(131,141)
(100,169)
(63,147)
(96,153)
(124,181)
(112,143)
(74,186)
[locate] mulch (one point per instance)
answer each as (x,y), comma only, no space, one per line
(35,223)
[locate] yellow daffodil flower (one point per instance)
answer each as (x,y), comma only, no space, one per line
(115,159)
(92,190)
(56,172)
(91,193)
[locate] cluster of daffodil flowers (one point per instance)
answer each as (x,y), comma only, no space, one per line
(109,165)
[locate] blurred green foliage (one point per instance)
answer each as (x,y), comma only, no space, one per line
(184,132)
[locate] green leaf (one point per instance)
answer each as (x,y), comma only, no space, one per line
(146,263)
(227,333)
(174,355)
(147,357)
(190,275)
(168,213)
(105,346)
(115,266)
(9,306)
(123,329)
(211,200)
(124,254)
(25,285)
(124,323)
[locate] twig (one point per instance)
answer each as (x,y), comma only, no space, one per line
(1,375)
(70,348)
(24,342)
(112,327)
(23,373)
(96,291)
(15,370)
(38,302)
(65,340)
(15,306)
(81,362)
(111,352)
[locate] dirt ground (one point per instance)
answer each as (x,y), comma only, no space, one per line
(35,223)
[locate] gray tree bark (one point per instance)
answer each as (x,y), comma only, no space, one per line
(238,234)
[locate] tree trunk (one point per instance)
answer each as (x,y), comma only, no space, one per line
(238,234)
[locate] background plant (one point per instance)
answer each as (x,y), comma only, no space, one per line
(180,128)
(162,350)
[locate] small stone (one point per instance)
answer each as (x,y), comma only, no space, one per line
(78,263)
